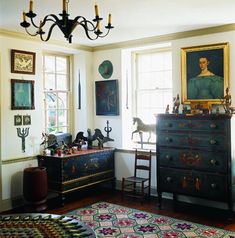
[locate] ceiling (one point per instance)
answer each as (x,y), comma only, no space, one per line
(132,19)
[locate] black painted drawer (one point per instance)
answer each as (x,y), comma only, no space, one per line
(212,141)
(193,159)
(198,125)
(86,165)
(205,185)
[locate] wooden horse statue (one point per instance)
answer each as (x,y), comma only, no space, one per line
(141,127)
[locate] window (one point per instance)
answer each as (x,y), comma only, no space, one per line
(56,87)
(152,87)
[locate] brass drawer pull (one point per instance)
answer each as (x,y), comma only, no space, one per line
(213,185)
(168,157)
(169,179)
(213,142)
(213,161)
(167,124)
(168,139)
(212,126)
(196,156)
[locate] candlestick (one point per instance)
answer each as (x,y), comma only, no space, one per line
(98,26)
(64,5)
(24,16)
(110,18)
(96,10)
(31,5)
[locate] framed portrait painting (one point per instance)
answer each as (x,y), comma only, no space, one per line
(22,62)
(205,72)
(107,97)
(22,94)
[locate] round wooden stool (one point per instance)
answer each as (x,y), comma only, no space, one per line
(35,187)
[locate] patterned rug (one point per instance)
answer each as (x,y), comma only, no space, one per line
(110,220)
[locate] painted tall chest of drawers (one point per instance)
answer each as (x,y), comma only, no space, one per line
(68,173)
(194,156)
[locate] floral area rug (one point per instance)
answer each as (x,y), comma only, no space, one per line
(110,220)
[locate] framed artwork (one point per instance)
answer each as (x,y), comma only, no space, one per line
(22,62)
(205,72)
(22,94)
(26,120)
(17,120)
(107,97)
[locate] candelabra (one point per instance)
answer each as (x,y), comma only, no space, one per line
(65,24)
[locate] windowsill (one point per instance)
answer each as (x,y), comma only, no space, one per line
(132,151)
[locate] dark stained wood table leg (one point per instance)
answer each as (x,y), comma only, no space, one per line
(159,200)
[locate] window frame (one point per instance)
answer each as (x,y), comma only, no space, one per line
(135,81)
(68,92)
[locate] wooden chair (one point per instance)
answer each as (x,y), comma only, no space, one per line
(138,186)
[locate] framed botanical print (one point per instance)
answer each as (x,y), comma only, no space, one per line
(205,72)
(22,62)
(107,97)
(22,94)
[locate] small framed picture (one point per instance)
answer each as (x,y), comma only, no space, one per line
(17,120)
(22,94)
(107,97)
(26,120)
(22,62)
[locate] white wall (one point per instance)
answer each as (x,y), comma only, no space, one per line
(114,121)
(87,63)
(13,159)
(122,123)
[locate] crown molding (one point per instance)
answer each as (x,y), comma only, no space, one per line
(167,37)
(130,43)
(24,36)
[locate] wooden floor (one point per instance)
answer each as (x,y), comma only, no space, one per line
(184,211)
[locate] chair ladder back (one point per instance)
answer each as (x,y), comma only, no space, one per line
(143,167)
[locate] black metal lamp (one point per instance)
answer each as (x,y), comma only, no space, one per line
(65,24)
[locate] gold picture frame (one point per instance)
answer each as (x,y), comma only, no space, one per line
(22,62)
(205,73)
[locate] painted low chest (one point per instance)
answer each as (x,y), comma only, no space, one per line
(68,173)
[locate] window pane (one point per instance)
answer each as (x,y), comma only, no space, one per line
(62,101)
(49,81)
(49,64)
(61,65)
(62,118)
(51,118)
(50,100)
(62,82)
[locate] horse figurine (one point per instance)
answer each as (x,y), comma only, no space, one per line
(141,127)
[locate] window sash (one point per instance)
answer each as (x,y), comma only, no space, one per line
(56,97)
(153,87)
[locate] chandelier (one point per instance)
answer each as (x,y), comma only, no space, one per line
(66,25)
